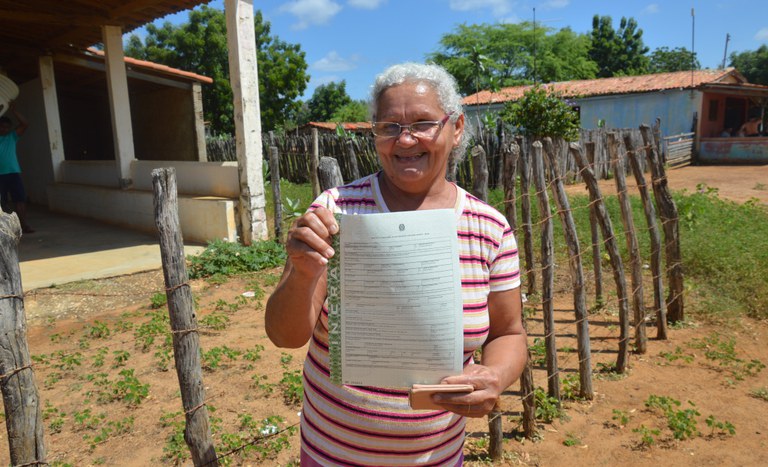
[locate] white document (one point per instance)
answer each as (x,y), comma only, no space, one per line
(400,316)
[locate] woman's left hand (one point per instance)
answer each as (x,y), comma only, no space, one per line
(478,403)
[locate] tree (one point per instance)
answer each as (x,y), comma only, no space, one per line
(678,59)
(326,100)
(620,52)
(200,45)
(752,64)
(542,112)
(354,111)
(487,56)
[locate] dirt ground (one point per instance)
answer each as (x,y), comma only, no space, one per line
(97,343)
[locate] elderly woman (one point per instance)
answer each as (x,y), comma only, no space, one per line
(418,126)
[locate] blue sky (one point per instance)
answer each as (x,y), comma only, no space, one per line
(353,40)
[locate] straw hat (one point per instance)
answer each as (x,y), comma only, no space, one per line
(8,92)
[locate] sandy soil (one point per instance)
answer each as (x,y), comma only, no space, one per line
(84,335)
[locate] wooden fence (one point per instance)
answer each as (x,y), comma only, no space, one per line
(529,173)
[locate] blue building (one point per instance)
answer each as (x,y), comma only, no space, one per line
(707,103)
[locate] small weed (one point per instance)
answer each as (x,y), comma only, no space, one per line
(293,389)
(261,383)
(538,352)
(51,380)
(216,321)
(760,187)
(647,435)
(217,279)
(571,440)
(145,334)
(41,359)
(607,372)
(223,305)
(68,361)
(760,393)
(570,387)
(547,408)
(285,359)
(98,359)
(158,300)
(129,389)
(163,358)
(55,416)
(723,351)
(121,357)
(211,360)
(56,338)
(175,449)
(86,420)
(724,427)
(676,355)
(229,258)
(254,354)
(271,279)
(98,330)
(621,417)
(681,422)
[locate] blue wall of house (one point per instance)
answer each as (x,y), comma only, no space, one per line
(675,108)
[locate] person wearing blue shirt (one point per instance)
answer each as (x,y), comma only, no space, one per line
(10,171)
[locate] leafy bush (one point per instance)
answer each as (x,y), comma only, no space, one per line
(542,112)
(229,258)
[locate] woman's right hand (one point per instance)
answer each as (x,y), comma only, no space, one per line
(309,242)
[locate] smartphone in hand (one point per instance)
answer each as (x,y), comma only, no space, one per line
(420,396)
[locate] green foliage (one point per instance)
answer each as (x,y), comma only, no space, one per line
(547,408)
(618,52)
(760,393)
(647,435)
(677,354)
(326,100)
(157,326)
(353,111)
(570,387)
(158,300)
(542,112)
(232,258)
(723,351)
(54,416)
(491,56)
(571,440)
(215,320)
(538,351)
(621,417)
(682,422)
(127,389)
(200,45)
(752,64)
(212,359)
(724,427)
(265,438)
(175,449)
(98,330)
(292,387)
(663,60)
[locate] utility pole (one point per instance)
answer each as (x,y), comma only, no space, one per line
(725,52)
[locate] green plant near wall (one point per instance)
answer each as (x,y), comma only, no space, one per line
(542,112)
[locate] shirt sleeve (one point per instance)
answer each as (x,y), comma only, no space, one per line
(505,268)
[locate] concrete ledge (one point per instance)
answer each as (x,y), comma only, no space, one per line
(202,218)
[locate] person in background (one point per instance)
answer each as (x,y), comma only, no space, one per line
(10,171)
(751,127)
(418,126)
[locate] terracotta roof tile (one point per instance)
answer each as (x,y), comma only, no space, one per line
(617,85)
(158,67)
(353,126)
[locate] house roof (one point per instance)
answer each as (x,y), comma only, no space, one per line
(348,126)
(617,85)
(156,67)
(31,28)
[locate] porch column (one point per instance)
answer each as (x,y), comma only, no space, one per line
(119,103)
(52,118)
(197,109)
(244,78)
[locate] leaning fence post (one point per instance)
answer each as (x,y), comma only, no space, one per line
(525,209)
(186,341)
(547,272)
(669,222)
(613,252)
(329,173)
(21,402)
(594,230)
(653,230)
(353,169)
(277,198)
(577,272)
(635,262)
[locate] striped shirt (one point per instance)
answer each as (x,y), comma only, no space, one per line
(367,426)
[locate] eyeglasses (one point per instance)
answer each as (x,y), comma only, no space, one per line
(424,129)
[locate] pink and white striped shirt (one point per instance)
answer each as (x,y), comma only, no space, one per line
(366,426)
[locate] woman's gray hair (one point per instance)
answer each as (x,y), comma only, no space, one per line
(435,76)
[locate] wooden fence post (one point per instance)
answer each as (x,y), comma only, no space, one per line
(329,173)
(21,402)
(511,156)
(354,170)
(479,173)
(525,208)
(547,271)
(635,262)
(613,252)
(577,272)
(653,231)
(313,161)
(186,341)
(669,222)
(274,173)
(594,229)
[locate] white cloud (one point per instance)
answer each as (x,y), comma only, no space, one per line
(499,7)
(333,62)
(555,4)
(762,35)
(651,9)
(311,11)
(365,4)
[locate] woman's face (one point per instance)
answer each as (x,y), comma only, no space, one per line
(414,164)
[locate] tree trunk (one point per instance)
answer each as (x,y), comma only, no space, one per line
(181,309)
(613,252)
(21,402)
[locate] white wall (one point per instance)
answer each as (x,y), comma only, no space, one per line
(33,149)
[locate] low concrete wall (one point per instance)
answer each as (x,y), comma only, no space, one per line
(192,178)
(201,218)
(747,150)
